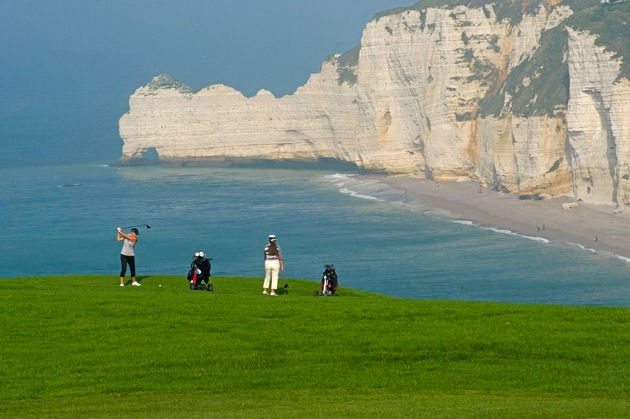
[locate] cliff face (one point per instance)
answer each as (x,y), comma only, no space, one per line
(525,103)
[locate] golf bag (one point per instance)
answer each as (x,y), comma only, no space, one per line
(199,273)
(329,282)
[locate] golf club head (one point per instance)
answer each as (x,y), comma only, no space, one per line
(286,286)
(148,226)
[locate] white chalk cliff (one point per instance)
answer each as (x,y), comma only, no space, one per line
(526,103)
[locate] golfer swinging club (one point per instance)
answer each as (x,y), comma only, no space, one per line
(127,255)
(273,264)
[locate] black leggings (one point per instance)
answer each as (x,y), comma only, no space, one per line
(124,260)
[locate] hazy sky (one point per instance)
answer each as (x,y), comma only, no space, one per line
(82,59)
(248,44)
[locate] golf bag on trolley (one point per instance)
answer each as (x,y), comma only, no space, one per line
(199,273)
(329,282)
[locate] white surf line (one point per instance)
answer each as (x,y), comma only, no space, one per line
(502,231)
(342,179)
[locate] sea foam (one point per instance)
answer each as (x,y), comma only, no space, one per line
(502,231)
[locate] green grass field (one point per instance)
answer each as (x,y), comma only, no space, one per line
(81,346)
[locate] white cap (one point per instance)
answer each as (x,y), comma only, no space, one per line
(201,254)
(272,237)
(197,254)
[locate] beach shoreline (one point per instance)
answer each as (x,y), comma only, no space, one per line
(594,228)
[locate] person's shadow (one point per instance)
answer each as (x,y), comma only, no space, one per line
(139,279)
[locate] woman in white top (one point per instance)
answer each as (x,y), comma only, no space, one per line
(127,254)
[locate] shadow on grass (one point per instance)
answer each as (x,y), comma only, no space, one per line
(138,278)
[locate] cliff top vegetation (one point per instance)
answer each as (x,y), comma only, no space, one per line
(540,84)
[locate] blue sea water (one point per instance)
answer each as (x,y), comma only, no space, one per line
(62,220)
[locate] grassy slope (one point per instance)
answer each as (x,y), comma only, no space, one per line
(82,346)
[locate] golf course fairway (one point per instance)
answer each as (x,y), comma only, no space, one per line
(81,346)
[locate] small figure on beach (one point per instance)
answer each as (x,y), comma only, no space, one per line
(273,264)
(128,255)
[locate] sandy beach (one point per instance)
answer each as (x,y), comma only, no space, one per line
(594,227)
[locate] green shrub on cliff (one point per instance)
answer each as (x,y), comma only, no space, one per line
(611,24)
(539,85)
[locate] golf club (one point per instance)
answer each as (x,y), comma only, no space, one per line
(148,226)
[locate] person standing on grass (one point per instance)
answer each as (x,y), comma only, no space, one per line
(273,264)
(127,255)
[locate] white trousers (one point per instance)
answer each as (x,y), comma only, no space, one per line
(272,268)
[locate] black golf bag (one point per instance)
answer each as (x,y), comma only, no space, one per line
(329,282)
(199,273)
